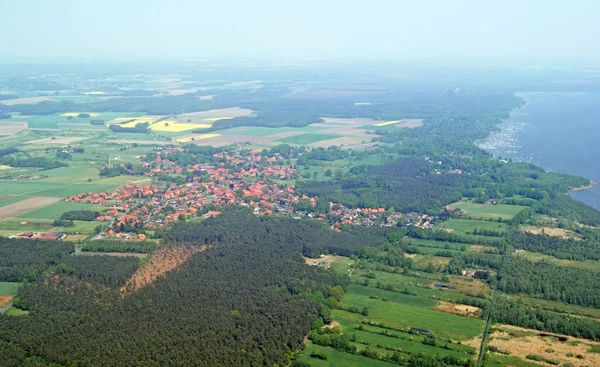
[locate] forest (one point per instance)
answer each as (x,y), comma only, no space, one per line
(250,296)
(26,260)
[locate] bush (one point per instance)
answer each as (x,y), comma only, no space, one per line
(316,353)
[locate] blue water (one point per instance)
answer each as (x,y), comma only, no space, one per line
(559,131)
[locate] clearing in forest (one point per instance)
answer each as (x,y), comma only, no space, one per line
(163,260)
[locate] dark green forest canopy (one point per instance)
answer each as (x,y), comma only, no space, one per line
(249,299)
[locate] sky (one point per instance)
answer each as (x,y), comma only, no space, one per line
(416,30)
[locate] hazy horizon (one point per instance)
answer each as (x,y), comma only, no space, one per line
(458,31)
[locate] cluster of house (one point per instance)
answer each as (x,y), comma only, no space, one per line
(236,180)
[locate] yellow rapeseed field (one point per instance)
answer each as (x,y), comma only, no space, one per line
(388,123)
(199,137)
(75,114)
(174,127)
(135,122)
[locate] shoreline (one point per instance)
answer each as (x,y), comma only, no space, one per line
(590,186)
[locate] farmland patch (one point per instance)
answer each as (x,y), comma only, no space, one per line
(25,206)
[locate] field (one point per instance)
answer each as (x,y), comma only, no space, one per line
(409,123)
(381,320)
(25,206)
(521,342)
(8,288)
(339,359)
(12,127)
(488,211)
(55,210)
(174,126)
(305,139)
(467,226)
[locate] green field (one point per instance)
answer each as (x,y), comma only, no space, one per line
(309,138)
(399,315)
(336,358)
(497,360)
(69,174)
(415,285)
(467,226)
(440,244)
(488,211)
(54,211)
(13,226)
(357,293)
(8,288)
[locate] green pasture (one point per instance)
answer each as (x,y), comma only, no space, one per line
(54,211)
(439,244)
(356,293)
(497,360)
(14,226)
(69,174)
(401,315)
(488,211)
(373,339)
(417,286)
(64,186)
(336,358)
(309,138)
(462,226)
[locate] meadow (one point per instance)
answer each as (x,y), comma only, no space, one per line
(467,226)
(488,211)
(54,211)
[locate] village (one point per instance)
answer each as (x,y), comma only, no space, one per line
(136,211)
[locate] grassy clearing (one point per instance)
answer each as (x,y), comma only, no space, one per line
(8,288)
(54,211)
(440,244)
(309,138)
(488,211)
(467,226)
(13,311)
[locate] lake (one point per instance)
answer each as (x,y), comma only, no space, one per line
(559,131)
